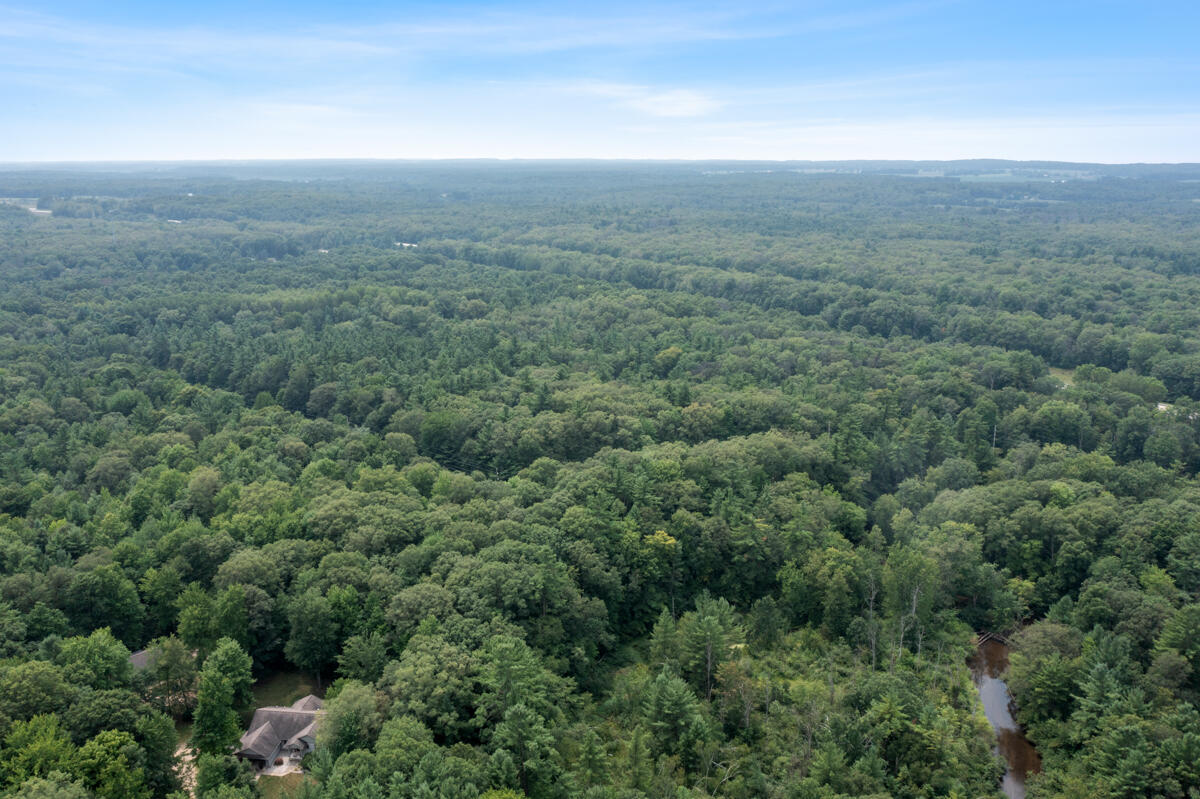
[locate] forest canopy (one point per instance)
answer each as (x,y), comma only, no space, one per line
(600,480)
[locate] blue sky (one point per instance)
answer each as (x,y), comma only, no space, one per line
(1081,81)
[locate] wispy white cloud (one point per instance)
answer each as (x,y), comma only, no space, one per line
(675,103)
(45,29)
(511,32)
(493,32)
(658,102)
(301,112)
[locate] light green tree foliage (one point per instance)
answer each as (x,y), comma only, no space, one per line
(402,742)
(510,673)
(351,719)
(203,484)
(57,785)
(196,619)
(363,657)
(231,661)
(664,642)
(709,636)
(433,681)
(231,792)
(35,748)
(34,687)
(1181,633)
(108,766)
(216,773)
(98,660)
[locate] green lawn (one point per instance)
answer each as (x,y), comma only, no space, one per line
(280,787)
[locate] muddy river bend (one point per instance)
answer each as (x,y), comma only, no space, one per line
(988,666)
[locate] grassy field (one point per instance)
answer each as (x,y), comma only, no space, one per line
(280,787)
(284,688)
(1067,376)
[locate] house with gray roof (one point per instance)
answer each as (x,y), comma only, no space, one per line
(282,733)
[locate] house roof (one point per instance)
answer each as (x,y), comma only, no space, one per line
(308,732)
(272,727)
(309,702)
(141,659)
(260,741)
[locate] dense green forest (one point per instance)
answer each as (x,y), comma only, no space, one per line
(600,480)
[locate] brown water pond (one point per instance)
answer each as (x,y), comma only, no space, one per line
(988,665)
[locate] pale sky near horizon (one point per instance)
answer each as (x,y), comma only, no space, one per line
(928,79)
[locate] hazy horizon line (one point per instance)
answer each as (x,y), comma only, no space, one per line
(576,159)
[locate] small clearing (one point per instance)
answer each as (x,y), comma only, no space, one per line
(284,688)
(1067,376)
